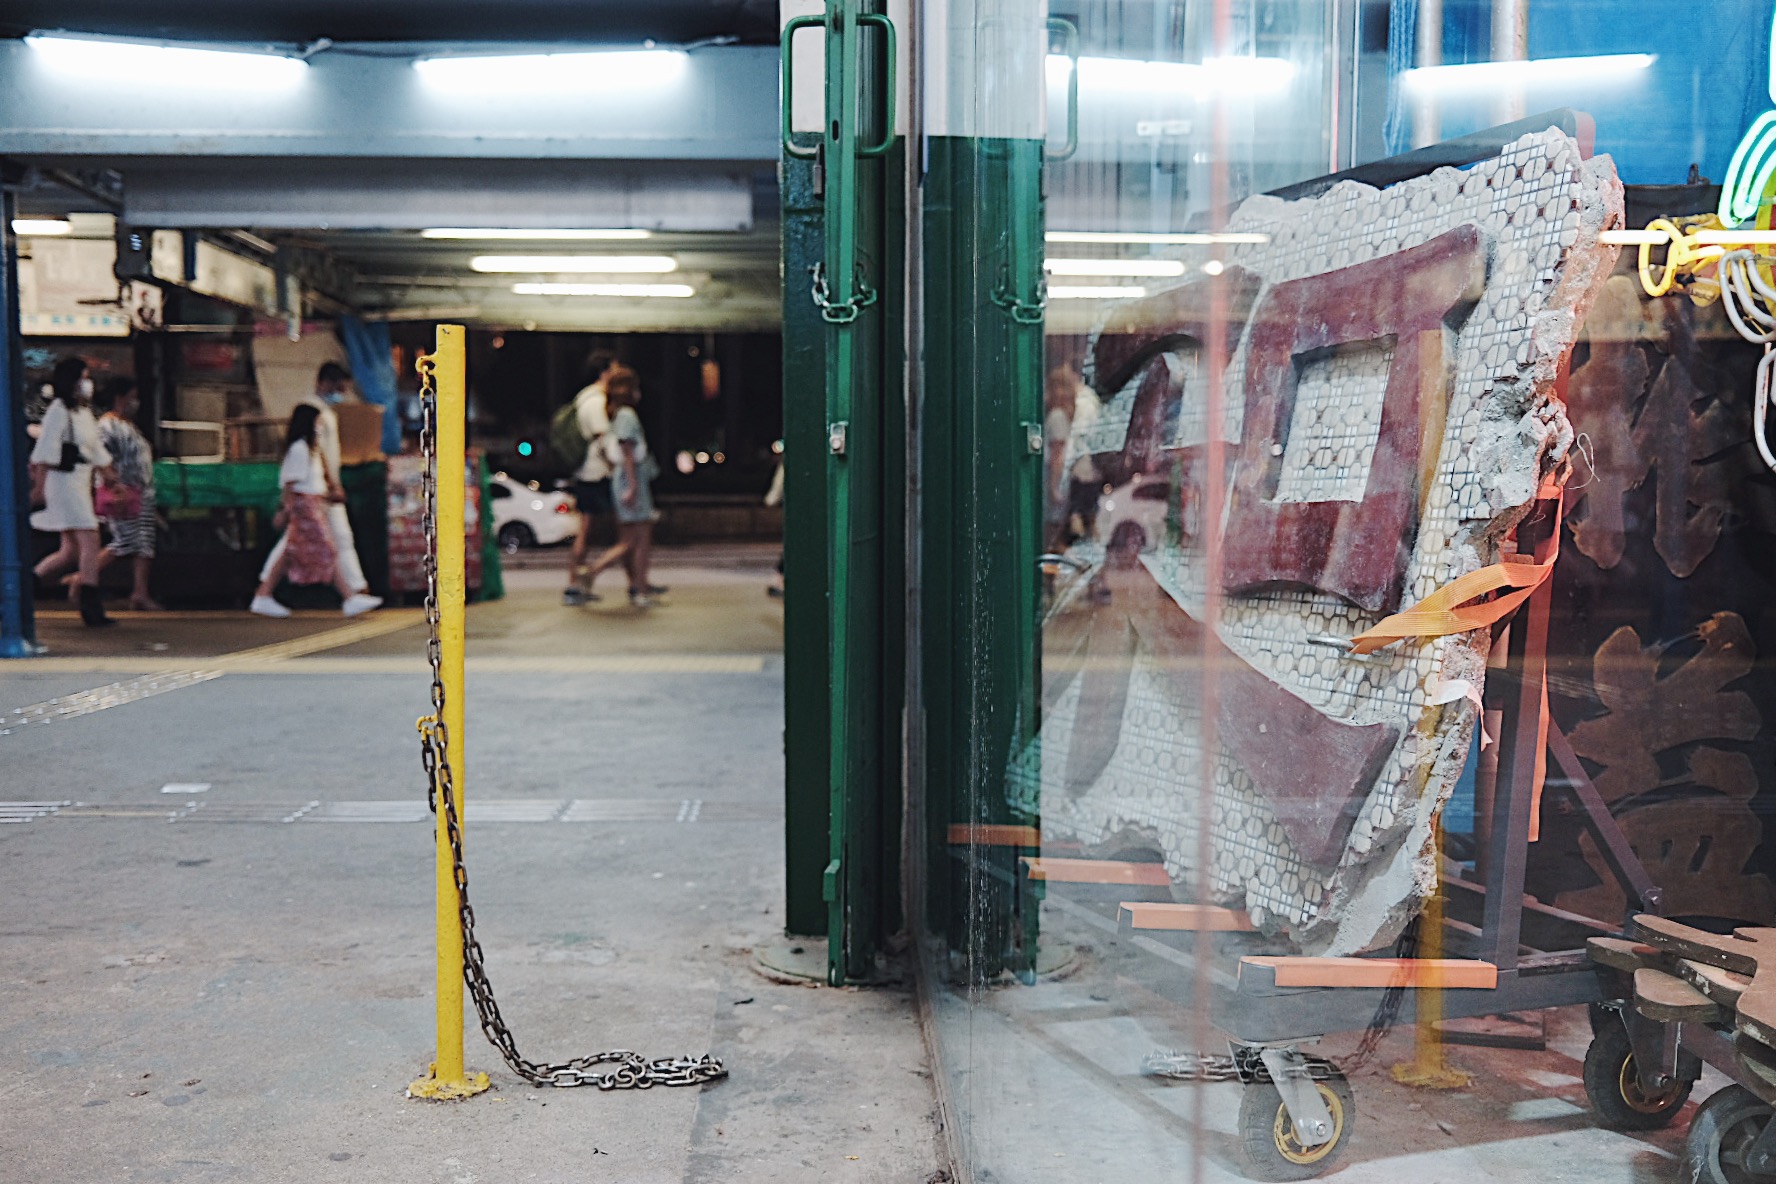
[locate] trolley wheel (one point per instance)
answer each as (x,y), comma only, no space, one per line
(1612,1083)
(1601,1017)
(1267,1134)
(1722,1130)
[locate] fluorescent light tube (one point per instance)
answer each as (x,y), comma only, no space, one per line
(1089,292)
(1131,267)
(1181,239)
(1485,77)
(42,227)
(610,264)
(1231,77)
(552,73)
(1735,238)
(183,66)
(493,232)
(671,290)
(1633,238)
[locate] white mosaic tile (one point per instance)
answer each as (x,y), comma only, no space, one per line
(1538,208)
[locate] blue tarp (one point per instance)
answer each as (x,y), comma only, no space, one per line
(367,345)
(1691,106)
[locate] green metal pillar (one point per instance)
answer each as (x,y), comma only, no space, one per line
(843,430)
(983,224)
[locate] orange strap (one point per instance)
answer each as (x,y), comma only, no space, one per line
(1446,611)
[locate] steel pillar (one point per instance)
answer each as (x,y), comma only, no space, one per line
(18,628)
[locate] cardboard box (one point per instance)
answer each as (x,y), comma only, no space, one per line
(360,432)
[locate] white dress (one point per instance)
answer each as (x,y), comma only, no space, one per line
(68,497)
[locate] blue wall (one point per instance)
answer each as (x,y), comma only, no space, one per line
(1693,104)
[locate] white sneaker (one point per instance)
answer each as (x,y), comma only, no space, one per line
(363,602)
(265,606)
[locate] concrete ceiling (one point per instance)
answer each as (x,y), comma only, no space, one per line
(405,276)
(306,21)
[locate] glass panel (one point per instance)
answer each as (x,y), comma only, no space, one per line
(1244,856)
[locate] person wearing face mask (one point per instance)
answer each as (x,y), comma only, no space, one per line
(67,455)
(130,514)
(329,392)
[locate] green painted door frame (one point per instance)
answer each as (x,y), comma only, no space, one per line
(982,463)
(843,536)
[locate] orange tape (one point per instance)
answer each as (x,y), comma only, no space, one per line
(1446,611)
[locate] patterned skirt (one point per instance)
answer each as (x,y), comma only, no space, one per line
(134,536)
(308,542)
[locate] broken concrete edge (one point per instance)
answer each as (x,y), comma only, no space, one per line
(1408,854)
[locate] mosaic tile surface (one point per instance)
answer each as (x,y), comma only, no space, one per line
(1504,257)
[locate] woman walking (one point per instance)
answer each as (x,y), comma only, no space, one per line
(632,475)
(310,555)
(62,466)
(128,510)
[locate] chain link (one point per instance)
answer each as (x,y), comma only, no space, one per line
(1189,1065)
(632,1071)
(1186,1065)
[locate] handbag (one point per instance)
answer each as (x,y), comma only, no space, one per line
(71,456)
(117,502)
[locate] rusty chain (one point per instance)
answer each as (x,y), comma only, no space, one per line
(632,1071)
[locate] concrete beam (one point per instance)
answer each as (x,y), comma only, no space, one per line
(368,101)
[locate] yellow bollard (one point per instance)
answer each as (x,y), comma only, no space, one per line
(448,1078)
(1429,1068)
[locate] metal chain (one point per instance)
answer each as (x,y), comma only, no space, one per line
(1186,1065)
(1388,1010)
(632,1071)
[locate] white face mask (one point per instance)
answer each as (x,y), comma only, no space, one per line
(84,388)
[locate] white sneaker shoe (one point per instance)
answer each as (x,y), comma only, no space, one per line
(363,602)
(265,606)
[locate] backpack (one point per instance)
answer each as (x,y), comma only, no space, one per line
(566,440)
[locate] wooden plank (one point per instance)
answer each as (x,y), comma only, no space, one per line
(1097,871)
(993,834)
(1744,951)
(1668,999)
(1412,973)
(1619,953)
(1722,986)
(1188,918)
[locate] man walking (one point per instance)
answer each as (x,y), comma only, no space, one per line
(592,479)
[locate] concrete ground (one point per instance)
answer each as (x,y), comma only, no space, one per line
(236,984)
(1047,1087)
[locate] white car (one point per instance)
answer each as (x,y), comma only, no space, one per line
(529,515)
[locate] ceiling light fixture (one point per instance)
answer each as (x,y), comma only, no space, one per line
(181,65)
(1231,77)
(1131,267)
(678,291)
(494,232)
(43,227)
(624,69)
(1735,238)
(610,264)
(1485,77)
(1180,239)
(1091,292)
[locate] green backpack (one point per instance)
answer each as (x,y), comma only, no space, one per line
(566,440)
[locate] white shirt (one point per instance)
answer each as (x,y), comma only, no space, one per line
(61,426)
(326,434)
(302,470)
(594,425)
